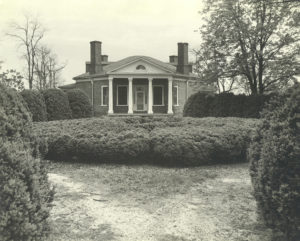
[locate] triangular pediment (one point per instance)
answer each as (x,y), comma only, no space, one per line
(140,65)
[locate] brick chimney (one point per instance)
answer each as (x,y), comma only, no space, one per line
(104,58)
(173,59)
(95,64)
(183,58)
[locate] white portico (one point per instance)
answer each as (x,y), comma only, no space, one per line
(140,94)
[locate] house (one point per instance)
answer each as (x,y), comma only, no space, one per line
(138,84)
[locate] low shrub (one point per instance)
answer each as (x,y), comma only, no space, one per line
(79,103)
(36,104)
(25,193)
(164,141)
(274,156)
(57,104)
(202,104)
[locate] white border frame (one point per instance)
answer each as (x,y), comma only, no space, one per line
(104,86)
(163,94)
(177,87)
(117,104)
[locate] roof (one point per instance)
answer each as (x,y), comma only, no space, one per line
(69,86)
(123,62)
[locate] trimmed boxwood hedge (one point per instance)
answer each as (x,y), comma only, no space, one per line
(204,104)
(164,141)
(79,103)
(57,104)
(274,156)
(36,104)
(25,193)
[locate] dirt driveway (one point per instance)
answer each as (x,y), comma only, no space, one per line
(115,202)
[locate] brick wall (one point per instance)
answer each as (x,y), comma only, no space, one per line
(98,108)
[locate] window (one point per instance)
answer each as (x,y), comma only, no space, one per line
(175,95)
(140,67)
(122,95)
(158,95)
(104,95)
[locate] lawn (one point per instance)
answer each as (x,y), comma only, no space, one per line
(118,202)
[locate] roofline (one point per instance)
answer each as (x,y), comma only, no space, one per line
(146,60)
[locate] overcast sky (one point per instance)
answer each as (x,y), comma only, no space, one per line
(125,28)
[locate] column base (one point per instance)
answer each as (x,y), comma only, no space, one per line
(170,112)
(110,112)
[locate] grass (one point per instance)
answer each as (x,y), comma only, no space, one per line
(118,202)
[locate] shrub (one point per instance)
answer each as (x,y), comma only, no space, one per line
(224,105)
(274,156)
(57,104)
(36,104)
(165,141)
(79,104)
(25,193)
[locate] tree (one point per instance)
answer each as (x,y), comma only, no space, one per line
(11,78)
(254,43)
(47,69)
(28,35)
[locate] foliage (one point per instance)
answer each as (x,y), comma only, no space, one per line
(57,104)
(12,79)
(274,155)
(28,35)
(47,69)
(163,141)
(25,193)
(79,104)
(249,43)
(225,105)
(36,104)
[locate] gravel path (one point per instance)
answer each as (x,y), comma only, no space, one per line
(216,209)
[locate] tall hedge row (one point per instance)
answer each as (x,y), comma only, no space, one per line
(36,104)
(274,156)
(79,103)
(224,105)
(25,193)
(163,141)
(57,104)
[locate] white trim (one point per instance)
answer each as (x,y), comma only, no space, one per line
(104,86)
(163,94)
(118,94)
(177,87)
(136,60)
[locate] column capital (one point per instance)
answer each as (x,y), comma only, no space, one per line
(170,78)
(110,77)
(130,78)
(150,78)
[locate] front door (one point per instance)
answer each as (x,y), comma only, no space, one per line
(140,100)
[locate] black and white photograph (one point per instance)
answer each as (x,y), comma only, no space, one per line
(150,120)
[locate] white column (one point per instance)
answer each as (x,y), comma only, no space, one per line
(170,95)
(130,103)
(150,96)
(110,95)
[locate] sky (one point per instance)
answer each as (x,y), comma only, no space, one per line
(125,28)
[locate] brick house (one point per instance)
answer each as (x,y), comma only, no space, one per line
(138,84)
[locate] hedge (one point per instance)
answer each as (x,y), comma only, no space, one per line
(57,104)
(79,104)
(163,141)
(36,104)
(274,156)
(224,105)
(25,193)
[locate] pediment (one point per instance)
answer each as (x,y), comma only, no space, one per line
(140,66)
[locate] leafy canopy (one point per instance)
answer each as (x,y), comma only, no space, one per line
(253,44)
